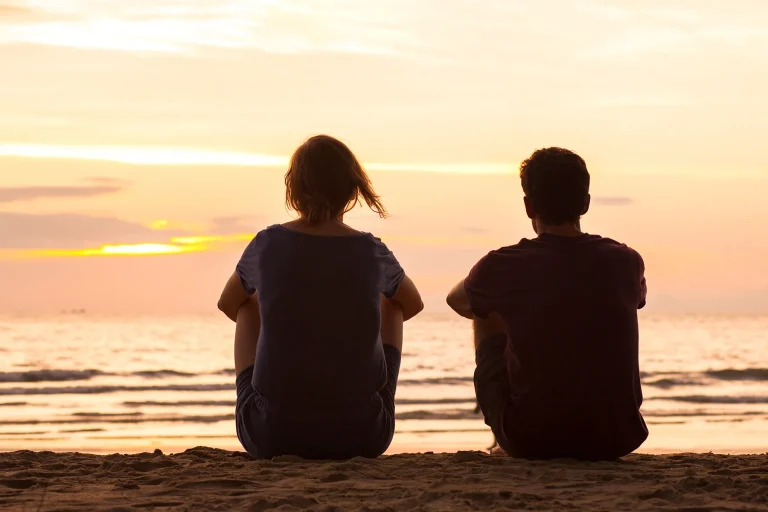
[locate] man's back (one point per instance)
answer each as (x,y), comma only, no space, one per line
(569,306)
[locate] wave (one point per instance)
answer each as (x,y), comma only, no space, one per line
(671,382)
(697,413)
(661,380)
(757,374)
(232,403)
(431,381)
(181,403)
(710,399)
(441,415)
(50,375)
(97,390)
(13,404)
(667,380)
(75,375)
(160,374)
(80,375)
(130,419)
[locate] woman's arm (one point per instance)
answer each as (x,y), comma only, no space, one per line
(408,298)
(232,297)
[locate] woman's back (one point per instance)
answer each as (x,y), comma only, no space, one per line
(320,303)
(319,309)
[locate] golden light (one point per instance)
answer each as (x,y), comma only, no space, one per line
(137,249)
(146,249)
(176,245)
(159,225)
(210,239)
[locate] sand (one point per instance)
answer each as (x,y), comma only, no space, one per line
(211,479)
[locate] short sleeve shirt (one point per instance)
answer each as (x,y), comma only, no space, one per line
(569,305)
(320,304)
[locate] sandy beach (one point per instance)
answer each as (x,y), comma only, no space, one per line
(211,479)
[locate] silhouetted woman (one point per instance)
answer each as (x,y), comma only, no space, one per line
(319,308)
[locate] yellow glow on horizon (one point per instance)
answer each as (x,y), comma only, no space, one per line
(144,155)
(159,225)
(139,249)
(144,249)
(176,245)
(196,240)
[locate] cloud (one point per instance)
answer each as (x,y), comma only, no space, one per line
(106,180)
(32,236)
(14,194)
(183,26)
(612,201)
(144,155)
(235,224)
(71,231)
(13,11)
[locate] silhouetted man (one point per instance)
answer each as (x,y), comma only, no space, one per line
(555,326)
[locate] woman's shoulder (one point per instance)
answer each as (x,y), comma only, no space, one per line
(345,233)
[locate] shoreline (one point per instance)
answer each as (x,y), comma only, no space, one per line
(204,478)
(407,449)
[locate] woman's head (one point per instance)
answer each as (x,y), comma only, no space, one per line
(325,180)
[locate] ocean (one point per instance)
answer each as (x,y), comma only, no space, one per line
(76,382)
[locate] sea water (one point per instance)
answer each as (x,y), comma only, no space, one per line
(78,382)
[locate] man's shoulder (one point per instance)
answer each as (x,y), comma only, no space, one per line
(509,251)
(615,245)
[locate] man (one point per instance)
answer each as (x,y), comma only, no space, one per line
(555,326)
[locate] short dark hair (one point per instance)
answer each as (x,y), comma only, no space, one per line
(325,180)
(556,182)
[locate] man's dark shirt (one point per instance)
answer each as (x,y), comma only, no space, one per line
(569,305)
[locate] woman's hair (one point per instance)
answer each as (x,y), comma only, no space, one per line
(325,180)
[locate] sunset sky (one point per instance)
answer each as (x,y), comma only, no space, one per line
(163,126)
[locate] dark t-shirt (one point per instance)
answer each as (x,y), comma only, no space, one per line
(569,305)
(320,305)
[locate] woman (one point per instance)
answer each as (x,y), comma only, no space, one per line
(319,309)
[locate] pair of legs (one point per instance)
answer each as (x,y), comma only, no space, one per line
(248,328)
(364,431)
(491,383)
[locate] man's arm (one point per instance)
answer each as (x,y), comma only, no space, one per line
(232,297)
(458,300)
(485,328)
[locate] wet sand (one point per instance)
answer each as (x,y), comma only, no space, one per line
(211,479)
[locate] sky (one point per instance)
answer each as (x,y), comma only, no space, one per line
(143,143)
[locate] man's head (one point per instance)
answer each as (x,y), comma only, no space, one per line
(556,186)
